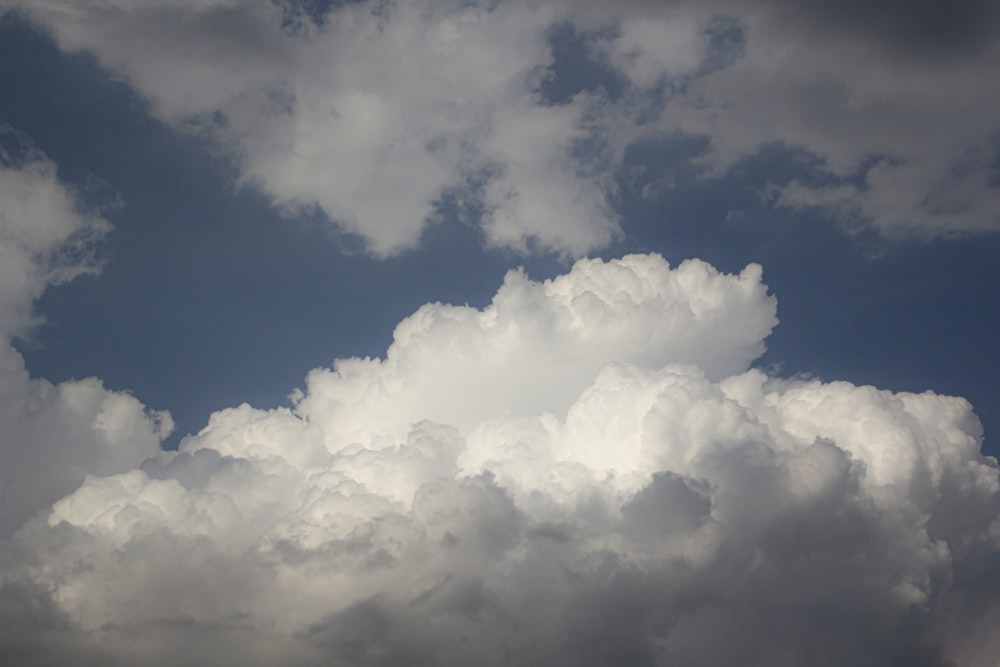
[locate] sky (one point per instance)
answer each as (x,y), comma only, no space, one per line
(454,332)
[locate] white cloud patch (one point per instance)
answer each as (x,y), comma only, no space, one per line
(53,434)
(374,116)
(380,111)
(584,472)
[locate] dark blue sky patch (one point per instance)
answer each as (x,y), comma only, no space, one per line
(575,67)
(726,43)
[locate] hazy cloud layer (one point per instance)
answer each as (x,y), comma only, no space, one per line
(378,112)
(582,473)
(52,435)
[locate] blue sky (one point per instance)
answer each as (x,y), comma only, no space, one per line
(284,189)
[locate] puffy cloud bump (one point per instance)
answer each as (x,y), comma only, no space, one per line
(582,473)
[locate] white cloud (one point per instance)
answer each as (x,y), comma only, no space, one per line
(648,51)
(53,434)
(383,110)
(583,472)
(375,116)
(537,345)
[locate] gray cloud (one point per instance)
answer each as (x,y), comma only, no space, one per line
(904,137)
(922,30)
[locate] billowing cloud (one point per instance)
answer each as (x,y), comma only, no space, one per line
(377,113)
(582,473)
(53,434)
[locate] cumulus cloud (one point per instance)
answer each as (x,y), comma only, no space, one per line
(584,472)
(376,113)
(53,434)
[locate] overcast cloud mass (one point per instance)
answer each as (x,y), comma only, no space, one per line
(589,469)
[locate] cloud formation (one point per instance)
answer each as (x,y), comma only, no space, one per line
(378,113)
(891,100)
(585,472)
(582,473)
(53,434)
(375,116)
